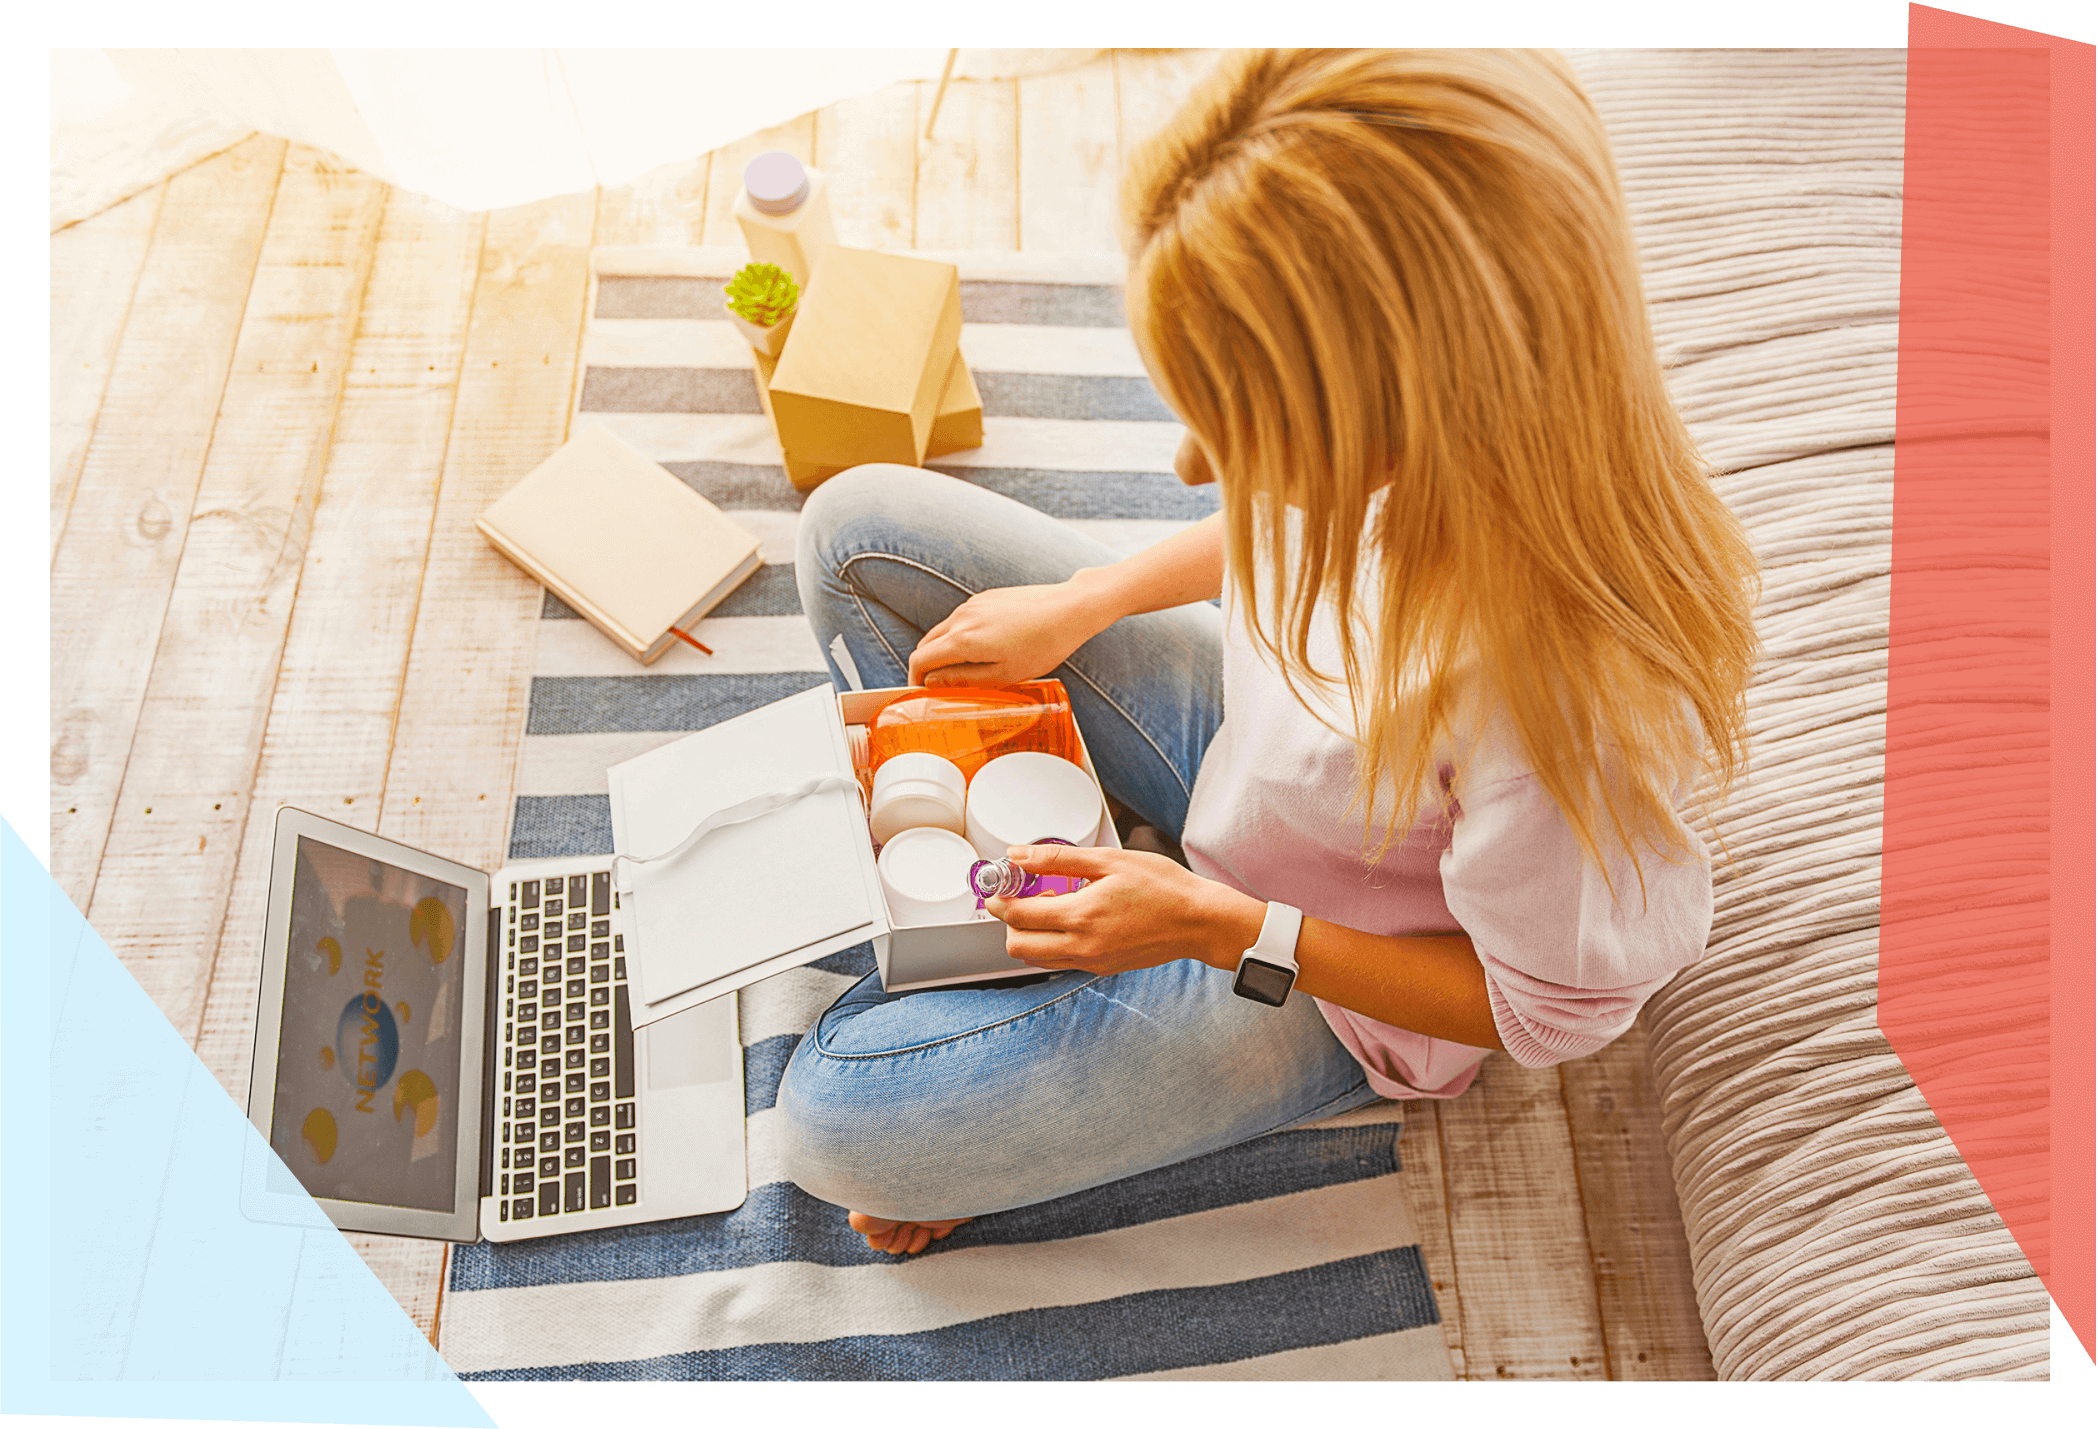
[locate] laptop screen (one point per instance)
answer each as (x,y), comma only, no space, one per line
(368,1055)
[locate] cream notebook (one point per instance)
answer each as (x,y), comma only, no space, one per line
(628,546)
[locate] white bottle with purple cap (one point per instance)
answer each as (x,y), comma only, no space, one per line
(784,209)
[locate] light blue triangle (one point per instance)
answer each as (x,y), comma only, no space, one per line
(159,1260)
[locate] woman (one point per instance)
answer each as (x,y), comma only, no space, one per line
(1486,628)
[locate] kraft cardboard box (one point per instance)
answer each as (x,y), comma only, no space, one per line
(960,423)
(864,374)
(957,426)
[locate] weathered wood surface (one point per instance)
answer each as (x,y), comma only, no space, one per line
(95,266)
(969,171)
(1525,1279)
(1421,1172)
(161,891)
(130,515)
(1640,1255)
(867,147)
(667,207)
(1069,159)
(404,653)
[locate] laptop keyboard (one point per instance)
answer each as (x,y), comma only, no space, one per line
(567,1113)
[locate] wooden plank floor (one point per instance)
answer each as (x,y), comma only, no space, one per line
(281,391)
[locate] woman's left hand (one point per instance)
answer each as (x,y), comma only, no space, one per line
(1139,910)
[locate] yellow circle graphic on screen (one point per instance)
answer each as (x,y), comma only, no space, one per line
(418,1091)
(319,1134)
(430,928)
(334,951)
(327,1055)
(401,1011)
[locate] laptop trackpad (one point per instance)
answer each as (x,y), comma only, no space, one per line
(694,1046)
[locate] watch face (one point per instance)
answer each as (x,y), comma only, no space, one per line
(1263,982)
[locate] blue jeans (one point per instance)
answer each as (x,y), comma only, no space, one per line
(946,1103)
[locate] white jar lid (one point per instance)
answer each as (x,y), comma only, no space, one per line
(1027,797)
(776,182)
(925,876)
(915,790)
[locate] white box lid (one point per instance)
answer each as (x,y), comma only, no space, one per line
(750,899)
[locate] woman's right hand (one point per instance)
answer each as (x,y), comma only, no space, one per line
(1008,635)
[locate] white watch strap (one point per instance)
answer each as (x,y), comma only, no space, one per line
(1278,941)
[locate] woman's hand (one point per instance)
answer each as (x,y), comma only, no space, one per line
(1010,634)
(1023,632)
(1139,910)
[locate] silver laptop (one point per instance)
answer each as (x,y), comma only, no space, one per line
(442,1054)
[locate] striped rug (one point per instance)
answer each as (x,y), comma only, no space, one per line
(1290,1257)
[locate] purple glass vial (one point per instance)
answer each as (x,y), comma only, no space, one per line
(1003,878)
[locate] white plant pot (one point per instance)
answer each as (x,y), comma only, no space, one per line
(768,340)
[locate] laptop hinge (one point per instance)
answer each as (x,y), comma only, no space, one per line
(489,1028)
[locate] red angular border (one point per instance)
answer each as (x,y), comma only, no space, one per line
(1987,934)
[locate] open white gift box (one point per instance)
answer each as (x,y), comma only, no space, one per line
(792,881)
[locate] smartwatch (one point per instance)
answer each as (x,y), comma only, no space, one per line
(1269,968)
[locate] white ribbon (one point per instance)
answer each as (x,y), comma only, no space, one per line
(743,813)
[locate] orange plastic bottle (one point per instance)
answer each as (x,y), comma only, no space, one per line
(970,726)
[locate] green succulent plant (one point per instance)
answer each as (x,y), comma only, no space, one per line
(762,293)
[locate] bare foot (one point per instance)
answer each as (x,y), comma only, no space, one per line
(901,1237)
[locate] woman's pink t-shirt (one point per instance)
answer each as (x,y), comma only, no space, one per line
(1567,964)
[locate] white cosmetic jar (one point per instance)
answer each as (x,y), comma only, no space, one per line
(915,791)
(1027,797)
(925,876)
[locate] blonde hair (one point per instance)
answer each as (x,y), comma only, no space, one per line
(1396,290)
